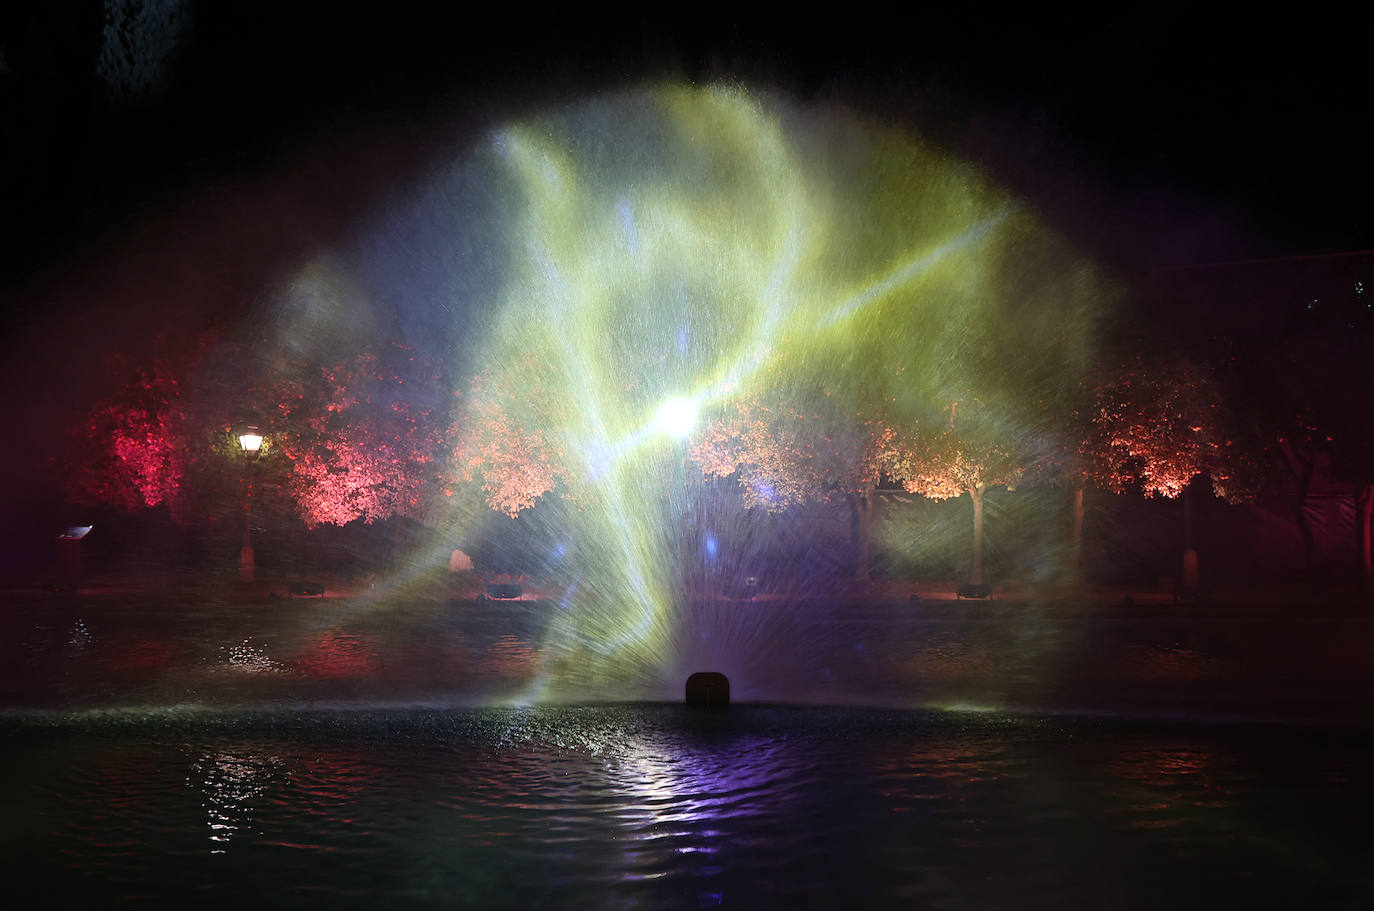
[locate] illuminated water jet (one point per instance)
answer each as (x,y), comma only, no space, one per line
(644,274)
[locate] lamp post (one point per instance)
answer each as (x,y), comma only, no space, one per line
(251,441)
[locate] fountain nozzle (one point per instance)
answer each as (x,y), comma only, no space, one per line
(708,690)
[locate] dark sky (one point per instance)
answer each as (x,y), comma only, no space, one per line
(189,151)
(1161,136)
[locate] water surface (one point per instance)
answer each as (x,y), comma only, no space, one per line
(630,806)
(378,752)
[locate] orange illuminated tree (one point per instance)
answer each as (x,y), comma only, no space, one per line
(1155,425)
(502,441)
(785,450)
(962,455)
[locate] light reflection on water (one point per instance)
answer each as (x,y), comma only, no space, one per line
(653,806)
(167,751)
(232,785)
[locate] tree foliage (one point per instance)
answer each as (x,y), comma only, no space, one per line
(1157,424)
(132,452)
(504,442)
(785,453)
(358,439)
(366,445)
(944,460)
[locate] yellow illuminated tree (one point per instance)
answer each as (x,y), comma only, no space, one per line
(954,458)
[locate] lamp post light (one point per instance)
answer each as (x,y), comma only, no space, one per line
(251,441)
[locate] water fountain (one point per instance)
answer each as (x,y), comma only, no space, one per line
(665,305)
(666,254)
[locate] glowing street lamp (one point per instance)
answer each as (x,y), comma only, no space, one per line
(251,441)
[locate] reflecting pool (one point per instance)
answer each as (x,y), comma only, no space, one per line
(650,805)
(357,752)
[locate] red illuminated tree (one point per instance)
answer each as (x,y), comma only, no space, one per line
(363,438)
(133,452)
(360,440)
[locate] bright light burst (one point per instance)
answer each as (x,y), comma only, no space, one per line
(676,417)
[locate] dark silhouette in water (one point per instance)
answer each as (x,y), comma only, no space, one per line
(708,690)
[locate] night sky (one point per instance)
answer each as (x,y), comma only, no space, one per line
(228,139)
(1250,136)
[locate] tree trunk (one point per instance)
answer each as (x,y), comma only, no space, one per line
(1191,578)
(247,563)
(1309,546)
(1364,507)
(1076,547)
(976,494)
(861,507)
